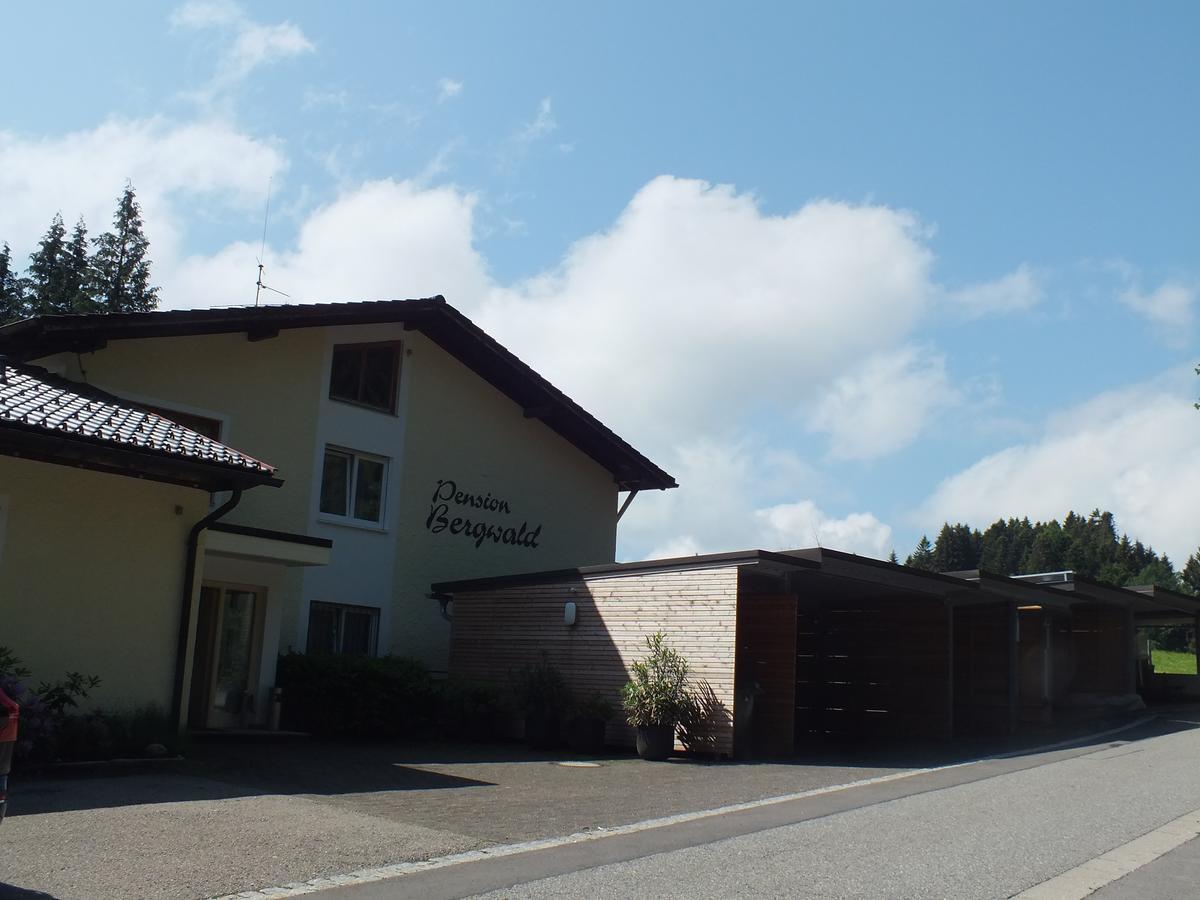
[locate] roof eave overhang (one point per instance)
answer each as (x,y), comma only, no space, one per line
(84,453)
(34,338)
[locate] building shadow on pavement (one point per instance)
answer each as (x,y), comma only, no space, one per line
(12,892)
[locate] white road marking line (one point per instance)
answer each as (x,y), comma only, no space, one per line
(1094,874)
(395,870)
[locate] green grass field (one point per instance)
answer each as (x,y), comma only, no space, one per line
(1171,662)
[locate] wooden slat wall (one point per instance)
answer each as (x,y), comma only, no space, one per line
(981,669)
(767,666)
(871,666)
(495,633)
(1102,649)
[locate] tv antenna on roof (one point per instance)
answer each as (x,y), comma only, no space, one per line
(259,286)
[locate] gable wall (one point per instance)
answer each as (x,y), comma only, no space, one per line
(450,425)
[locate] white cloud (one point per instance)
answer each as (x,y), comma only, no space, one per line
(207,14)
(172,166)
(324,98)
(1131,451)
(383,240)
(448,89)
(716,310)
(517,145)
(883,404)
(1170,309)
(790,526)
(1018,291)
(728,501)
(250,44)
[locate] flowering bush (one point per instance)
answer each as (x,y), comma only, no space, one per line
(44,711)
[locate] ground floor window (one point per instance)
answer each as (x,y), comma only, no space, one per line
(339,628)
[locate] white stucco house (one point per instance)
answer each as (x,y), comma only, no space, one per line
(412,449)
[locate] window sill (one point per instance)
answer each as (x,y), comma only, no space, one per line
(381,410)
(357,524)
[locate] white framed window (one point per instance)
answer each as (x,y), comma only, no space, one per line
(342,629)
(353,485)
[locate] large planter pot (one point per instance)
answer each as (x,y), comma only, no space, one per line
(655,742)
(541,730)
(585,734)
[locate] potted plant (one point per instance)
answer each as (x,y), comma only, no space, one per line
(585,728)
(656,697)
(543,694)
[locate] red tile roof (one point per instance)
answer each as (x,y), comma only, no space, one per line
(35,403)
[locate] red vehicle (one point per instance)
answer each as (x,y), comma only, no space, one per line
(9,714)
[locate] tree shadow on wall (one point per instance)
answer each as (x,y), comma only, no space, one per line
(704,720)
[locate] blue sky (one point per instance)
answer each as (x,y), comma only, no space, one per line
(846,270)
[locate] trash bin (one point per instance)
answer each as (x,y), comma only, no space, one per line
(9,714)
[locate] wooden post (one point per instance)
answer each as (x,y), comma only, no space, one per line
(949,668)
(1131,652)
(1014,639)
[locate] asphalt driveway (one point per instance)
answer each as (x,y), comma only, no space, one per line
(240,815)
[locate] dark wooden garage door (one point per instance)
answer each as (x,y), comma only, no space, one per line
(872,667)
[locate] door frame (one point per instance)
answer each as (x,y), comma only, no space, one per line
(204,662)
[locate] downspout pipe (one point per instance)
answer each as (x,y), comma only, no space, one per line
(185,607)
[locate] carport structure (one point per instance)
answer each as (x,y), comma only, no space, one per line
(793,646)
(800,646)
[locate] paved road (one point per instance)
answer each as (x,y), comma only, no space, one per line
(1175,876)
(990,830)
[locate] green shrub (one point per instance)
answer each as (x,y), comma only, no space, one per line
(657,694)
(471,710)
(541,689)
(359,696)
(594,706)
(108,734)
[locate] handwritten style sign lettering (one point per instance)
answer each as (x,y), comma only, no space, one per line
(448,501)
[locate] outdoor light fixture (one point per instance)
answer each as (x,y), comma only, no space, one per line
(1027,608)
(569,613)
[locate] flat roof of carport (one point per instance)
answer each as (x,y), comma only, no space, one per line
(738,558)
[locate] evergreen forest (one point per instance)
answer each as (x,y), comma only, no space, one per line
(70,273)
(1088,545)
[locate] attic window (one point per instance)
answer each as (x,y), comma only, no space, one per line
(366,375)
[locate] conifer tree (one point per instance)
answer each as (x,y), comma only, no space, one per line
(77,273)
(892,558)
(922,556)
(121,267)
(12,288)
(1190,576)
(47,270)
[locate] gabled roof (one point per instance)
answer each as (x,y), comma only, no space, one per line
(440,322)
(52,419)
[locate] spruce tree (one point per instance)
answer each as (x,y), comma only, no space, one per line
(922,556)
(120,264)
(77,273)
(47,270)
(12,289)
(1190,576)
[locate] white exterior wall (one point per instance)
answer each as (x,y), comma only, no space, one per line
(364,554)
(272,398)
